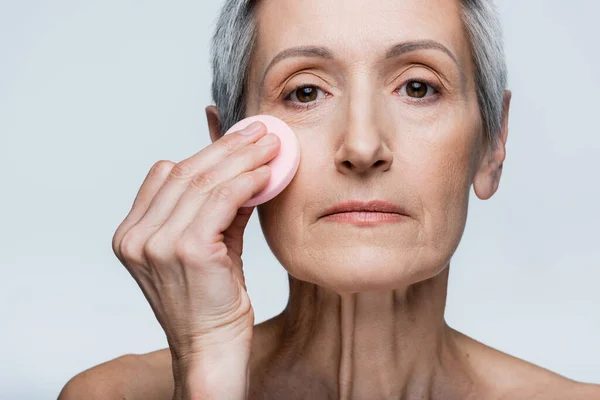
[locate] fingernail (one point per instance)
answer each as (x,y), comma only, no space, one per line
(252,128)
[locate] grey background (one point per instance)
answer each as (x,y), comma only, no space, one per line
(92,93)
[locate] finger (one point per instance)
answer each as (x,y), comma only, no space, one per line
(182,173)
(222,205)
(232,235)
(246,159)
(152,183)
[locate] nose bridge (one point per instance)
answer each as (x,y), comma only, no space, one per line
(360,104)
(363,142)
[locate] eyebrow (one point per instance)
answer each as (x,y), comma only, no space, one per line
(394,51)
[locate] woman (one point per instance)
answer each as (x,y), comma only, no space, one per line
(402,102)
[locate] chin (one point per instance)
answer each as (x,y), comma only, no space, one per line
(366,268)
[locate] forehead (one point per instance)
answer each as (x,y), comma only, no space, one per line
(357,31)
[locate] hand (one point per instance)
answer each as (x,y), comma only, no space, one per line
(182,242)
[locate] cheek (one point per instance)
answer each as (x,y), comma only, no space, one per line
(284,220)
(288,220)
(440,172)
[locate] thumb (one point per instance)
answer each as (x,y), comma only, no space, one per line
(234,234)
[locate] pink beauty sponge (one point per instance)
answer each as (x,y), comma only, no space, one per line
(283,166)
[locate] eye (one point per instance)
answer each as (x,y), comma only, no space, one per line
(305,94)
(417,89)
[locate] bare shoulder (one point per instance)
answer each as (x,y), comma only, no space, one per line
(146,376)
(583,391)
(131,376)
(558,390)
(511,378)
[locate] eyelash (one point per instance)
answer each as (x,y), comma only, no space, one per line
(306,106)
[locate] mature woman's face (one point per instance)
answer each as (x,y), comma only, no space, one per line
(404,128)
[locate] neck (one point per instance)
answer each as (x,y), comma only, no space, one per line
(375,345)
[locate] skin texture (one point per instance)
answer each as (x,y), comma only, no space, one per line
(365,317)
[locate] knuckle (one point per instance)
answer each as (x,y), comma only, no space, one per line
(228,143)
(186,251)
(181,170)
(203,181)
(116,244)
(250,179)
(162,167)
(223,192)
(189,252)
(131,247)
(157,249)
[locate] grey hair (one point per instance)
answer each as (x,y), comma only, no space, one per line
(235,36)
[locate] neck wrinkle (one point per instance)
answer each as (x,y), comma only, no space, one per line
(392,344)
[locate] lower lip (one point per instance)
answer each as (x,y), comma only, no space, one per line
(365,217)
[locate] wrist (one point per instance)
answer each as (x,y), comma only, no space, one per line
(216,373)
(213,385)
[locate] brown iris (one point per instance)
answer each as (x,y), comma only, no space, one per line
(416,89)
(306,93)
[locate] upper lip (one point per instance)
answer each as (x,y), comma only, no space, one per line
(373,206)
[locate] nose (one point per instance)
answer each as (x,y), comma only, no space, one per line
(363,149)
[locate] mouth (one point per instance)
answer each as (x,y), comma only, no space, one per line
(365,217)
(371,212)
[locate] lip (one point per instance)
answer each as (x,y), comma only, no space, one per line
(373,206)
(365,218)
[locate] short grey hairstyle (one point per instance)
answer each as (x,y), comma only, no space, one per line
(234,40)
